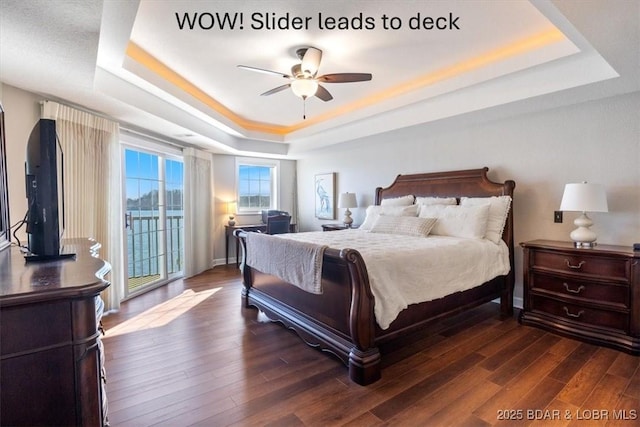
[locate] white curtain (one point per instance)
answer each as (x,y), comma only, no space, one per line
(294,198)
(93,189)
(198,211)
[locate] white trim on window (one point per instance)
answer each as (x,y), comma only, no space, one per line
(275,181)
(149,145)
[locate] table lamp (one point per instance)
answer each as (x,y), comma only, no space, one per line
(347,200)
(231,210)
(583,197)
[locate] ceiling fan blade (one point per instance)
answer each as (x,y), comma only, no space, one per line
(345,77)
(261,70)
(276,90)
(323,94)
(311,60)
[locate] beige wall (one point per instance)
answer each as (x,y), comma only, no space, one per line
(22,111)
(597,141)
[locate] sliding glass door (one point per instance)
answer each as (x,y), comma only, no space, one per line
(154,218)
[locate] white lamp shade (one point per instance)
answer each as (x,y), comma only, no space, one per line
(347,200)
(584,197)
(304,88)
(232,207)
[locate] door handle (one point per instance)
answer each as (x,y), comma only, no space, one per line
(128,221)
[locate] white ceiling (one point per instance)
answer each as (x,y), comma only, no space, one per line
(130,60)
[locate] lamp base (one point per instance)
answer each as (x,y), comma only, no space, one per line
(232,221)
(347,219)
(585,245)
(582,236)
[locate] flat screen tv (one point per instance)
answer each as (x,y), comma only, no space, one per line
(44,188)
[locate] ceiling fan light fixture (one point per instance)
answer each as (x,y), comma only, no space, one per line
(304,88)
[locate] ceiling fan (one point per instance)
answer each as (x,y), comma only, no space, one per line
(304,81)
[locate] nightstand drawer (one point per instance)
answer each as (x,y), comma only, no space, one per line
(613,268)
(589,294)
(580,314)
(600,293)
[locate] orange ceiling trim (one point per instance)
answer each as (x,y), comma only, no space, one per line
(144,58)
(537,41)
(519,47)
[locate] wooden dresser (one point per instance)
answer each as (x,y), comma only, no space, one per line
(589,294)
(49,357)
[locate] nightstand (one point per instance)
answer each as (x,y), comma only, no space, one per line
(334,227)
(588,294)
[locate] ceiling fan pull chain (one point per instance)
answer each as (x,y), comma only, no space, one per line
(304,108)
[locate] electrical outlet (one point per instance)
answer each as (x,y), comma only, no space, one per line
(557,216)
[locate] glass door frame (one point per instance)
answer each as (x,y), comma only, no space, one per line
(163,152)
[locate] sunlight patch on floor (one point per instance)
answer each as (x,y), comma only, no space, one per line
(161,314)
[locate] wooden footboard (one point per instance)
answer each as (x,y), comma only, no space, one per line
(340,321)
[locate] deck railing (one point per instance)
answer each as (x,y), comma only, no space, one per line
(144,247)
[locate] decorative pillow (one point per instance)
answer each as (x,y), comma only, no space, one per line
(398,201)
(406,225)
(429,201)
(458,221)
(498,211)
(374,211)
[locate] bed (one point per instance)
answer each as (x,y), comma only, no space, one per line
(341,319)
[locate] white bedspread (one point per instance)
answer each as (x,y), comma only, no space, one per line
(406,270)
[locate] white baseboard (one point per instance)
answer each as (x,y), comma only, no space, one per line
(518,302)
(222,261)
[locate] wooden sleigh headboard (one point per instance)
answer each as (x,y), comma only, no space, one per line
(463,183)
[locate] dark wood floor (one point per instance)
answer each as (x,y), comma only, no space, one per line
(190,354)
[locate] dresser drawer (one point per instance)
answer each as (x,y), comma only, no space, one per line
(581,314)
(601,293)
(614,268)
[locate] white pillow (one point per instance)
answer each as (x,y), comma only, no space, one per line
(428,201)
(398,201)
(458,221)
(406,225)
(498,213)
(374,211)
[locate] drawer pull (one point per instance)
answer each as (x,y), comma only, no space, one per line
(573,291)
(575,267)
(577,316)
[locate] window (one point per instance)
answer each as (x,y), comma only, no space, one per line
(256,183)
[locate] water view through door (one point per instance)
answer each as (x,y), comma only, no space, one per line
(154,218)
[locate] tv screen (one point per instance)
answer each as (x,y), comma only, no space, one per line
(43,175)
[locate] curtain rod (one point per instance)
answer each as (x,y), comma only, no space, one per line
(151,138)
(124,127)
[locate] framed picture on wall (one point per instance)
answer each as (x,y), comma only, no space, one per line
(324,187)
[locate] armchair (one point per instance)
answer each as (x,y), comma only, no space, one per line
(278,224)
